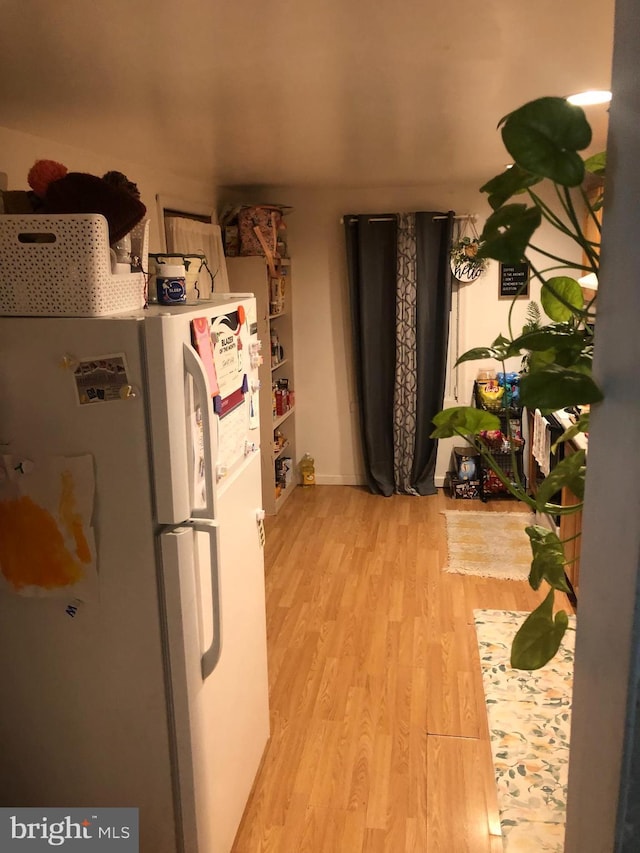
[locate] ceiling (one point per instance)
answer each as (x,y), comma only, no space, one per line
(294,92)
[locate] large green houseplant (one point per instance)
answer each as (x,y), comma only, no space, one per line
(544,138)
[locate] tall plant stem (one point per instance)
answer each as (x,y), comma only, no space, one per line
(563,201)
(571,538)
(582,240)
(567,264)
(591,211)
(577,236)
(549,215)
(564,267)
(511,307)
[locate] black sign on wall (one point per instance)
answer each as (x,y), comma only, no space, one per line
(514,280)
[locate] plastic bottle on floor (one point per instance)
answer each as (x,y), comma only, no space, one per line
(307,470)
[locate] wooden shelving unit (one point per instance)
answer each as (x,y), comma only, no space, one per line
(251,275)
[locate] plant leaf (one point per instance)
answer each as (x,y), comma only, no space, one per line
(553,387)
(584,364)
(510,182)
(574,357)
(596,164)
(561,297)
(548,558)
(507,232)
(465,420)
(501,342)
(563,344)
(538,360)
(539,637)
(499,350)
(549,337)
(570,472)
(544,136)
(477,353)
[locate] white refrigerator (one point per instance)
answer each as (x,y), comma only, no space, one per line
(143,681)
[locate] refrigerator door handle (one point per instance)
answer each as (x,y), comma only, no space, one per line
(211,656)
(193,366)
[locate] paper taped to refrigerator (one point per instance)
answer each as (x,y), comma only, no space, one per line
(232,436)
(198,476)
(227,353)
(47,546)
(101,379)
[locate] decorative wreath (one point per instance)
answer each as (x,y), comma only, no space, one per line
(465,263)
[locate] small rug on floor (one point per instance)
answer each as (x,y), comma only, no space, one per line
(529,716)
(490,544)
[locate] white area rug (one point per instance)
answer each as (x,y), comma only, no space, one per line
(490,544)
(529,716)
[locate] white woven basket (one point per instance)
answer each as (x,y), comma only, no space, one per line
(69,276)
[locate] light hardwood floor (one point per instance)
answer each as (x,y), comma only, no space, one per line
(378,727)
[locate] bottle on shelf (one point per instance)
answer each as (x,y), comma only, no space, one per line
(283,397)
(277,352)
(279,441)
(308,470)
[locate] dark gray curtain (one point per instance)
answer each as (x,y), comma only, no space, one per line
(372,259)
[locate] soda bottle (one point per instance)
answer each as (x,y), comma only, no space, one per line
(307,470)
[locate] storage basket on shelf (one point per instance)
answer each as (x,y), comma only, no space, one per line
(60,265)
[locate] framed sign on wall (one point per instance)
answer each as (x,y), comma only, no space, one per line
(514,281)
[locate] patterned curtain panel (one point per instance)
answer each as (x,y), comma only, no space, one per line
(405,392)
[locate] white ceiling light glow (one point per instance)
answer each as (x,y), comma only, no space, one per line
(593,96)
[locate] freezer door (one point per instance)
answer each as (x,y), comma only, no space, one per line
(221,715)
(201,432)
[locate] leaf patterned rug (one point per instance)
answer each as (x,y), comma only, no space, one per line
(529,716)
(490,544)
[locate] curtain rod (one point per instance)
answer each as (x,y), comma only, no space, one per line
(467,216)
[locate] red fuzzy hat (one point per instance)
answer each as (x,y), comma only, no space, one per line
(42,173)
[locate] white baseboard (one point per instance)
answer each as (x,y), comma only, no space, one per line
(352,480)
(339,480)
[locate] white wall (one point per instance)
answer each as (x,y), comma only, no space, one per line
(326,410)
(326,421)
(19,151)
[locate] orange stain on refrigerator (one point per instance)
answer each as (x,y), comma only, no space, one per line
(71,518)
(32,547)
